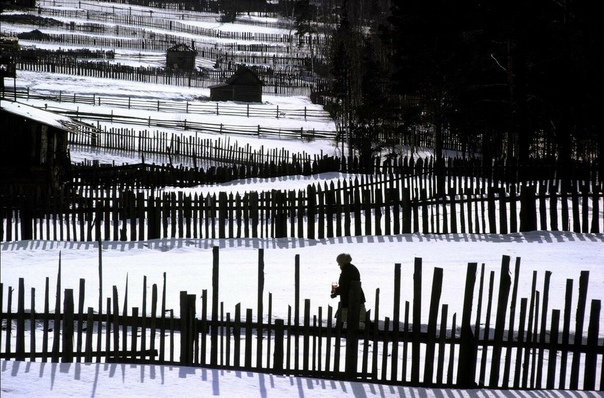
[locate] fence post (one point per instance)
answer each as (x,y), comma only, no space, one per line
(468,345)
(67,333)
(278,353)
(352,328)
(215,303)
(528,209)
(187,321)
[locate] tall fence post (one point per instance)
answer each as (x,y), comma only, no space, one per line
(215,304)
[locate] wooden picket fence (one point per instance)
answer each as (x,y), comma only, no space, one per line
(525,348)
(373,205)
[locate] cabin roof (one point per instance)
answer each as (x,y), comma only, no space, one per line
(39,115)
(183,48)
(243,74)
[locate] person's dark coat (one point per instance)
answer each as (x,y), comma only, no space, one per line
(348,274)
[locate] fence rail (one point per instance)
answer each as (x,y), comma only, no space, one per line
(533,351)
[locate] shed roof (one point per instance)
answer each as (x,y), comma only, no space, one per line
(244,75)
(39,115)
(181,47)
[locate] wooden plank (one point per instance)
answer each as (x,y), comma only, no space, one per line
(565,333)
(32,320)
(153,320)
(328,340)
(162,331)
(384,374)
(67,327)
(56,342)
(237,336)
(487,332)
(504,289)
(451,366)
(551,365)
(395,320)
(579,322)
(296,309)
(466,368)
(406,326)
(260,309)
(512,320)
(89,333)
(437,280)
(277,367)
(306,353)
(591,356)
(134,335)
(248,339)
(215,303)
(45,323)
(375,329)
(80,323)
(417,306)
(529,332)
(543,329)
(20,322)
(520,340)
(442,335)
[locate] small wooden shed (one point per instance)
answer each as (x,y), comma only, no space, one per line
(33,146)
(181,57)
(244,85)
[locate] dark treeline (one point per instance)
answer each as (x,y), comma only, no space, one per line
(514,79)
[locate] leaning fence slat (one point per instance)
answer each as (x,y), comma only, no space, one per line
(504,289)
(487,332)
(529,332)
(580,320)
(437,280)
(466,368)
(511,324)
(543,330)
(442,335)
(566,332)
(591,356)
(520,340)
(551,365)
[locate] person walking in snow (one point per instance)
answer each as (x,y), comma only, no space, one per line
(348,273)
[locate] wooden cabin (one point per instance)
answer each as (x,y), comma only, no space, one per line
(181,57)
(244,85)
(33,146)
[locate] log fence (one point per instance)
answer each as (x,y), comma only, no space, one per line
(169,106)
(532,351)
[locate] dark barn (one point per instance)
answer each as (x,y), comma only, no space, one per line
(243,86)
(33,146)
(181,57)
